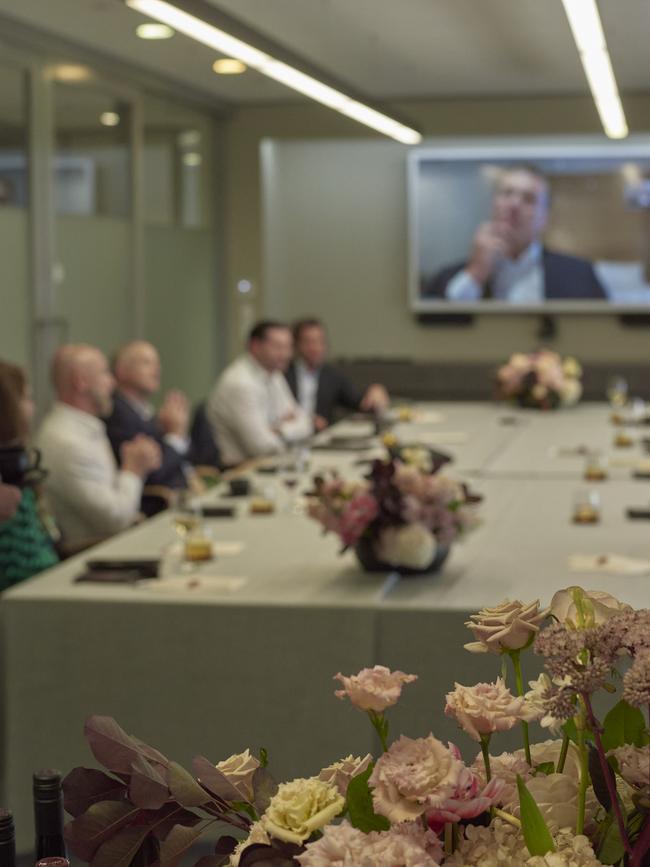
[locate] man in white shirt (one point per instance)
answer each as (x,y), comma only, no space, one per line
(89,497)
(251,408)
(508,262)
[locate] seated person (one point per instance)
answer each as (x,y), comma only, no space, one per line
(508,261)
(319,387)
(204,451)
(137,373)
(26,547)
(89,496)
(251,408)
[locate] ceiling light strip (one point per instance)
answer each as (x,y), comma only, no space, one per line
(589,37)
(281,72)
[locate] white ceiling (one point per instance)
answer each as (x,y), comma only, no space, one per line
(387,49)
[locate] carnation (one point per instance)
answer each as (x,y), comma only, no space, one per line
(340,773)
(301,807)
(633,764)
(472,797)
(405,845)
(373,689)
(412,776)
(486,708)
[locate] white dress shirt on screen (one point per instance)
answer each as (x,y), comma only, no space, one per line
(88,494)
(253,412)
(307,387)
(517,281)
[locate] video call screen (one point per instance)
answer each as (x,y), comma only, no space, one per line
(556,230)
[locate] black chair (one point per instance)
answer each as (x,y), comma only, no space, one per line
(204,451)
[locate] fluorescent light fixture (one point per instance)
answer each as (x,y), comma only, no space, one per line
(154,30)
(109,118)
(589,37)
(229,66)
(70,73)
(192,159)
(224,43)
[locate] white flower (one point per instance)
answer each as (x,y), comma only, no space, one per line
(412,546)
(536,698)
(240,769)
(570,392)
(556,795)
(599,606)
(340,773)
(633,764)
(301,807)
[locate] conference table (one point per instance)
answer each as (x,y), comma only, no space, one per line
(242,652)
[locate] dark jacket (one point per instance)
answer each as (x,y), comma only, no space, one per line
(125,423)
(565,277)
(334,391)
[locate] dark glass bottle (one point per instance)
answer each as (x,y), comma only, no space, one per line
(48,814)
(7,839)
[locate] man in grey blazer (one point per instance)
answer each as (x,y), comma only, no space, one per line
(321,388)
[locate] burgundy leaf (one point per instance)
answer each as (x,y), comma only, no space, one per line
(214,781)
(213,861)
(111,745)
(184,787)
(281,855)
(151,753)
(121,849)
(86,786)
(179,841)
(264,787)
(147,788)
(86,833)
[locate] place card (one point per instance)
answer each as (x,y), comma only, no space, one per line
(612,564)
(227,549)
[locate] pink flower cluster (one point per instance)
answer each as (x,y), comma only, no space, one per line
(407,844)
(541,378)
(437,502)
(343,508)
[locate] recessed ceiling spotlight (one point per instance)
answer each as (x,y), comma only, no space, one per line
(192,159)
(70,72)
(153,30)
(109,118)
(229,66)
(189,138)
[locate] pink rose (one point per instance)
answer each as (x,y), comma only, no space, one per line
(487,708)
(373,688)
(414,776)
(508,626)
(340,773)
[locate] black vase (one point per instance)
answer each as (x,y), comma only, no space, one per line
(367,557)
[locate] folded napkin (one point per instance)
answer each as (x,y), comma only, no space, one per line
(443,438)
(609,564)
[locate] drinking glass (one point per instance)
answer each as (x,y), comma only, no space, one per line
(586,507)
(617,391)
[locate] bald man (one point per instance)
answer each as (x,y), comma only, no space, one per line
(89,496)
(137,374)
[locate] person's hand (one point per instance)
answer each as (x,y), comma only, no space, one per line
(174,414)
(10,497)
(491,243)
(140,456)
(376,399)
(320,423)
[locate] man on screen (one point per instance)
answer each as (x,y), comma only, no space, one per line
(508,261)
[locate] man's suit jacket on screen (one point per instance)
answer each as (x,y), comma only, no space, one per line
(334,391)
(565,277)
(125,423)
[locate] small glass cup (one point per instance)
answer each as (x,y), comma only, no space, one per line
(186,515)
(617,392)
(586,507)
(595,467)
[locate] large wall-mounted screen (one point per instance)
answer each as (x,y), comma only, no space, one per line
(550,228)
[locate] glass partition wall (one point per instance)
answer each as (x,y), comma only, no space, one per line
(108,219)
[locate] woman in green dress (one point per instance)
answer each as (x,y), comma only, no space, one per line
(25,546)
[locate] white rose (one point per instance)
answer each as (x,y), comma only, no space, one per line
(604,605)
(633,764)
(520,361)
(556,795)
(412,546)
(301,807)
(571,367)
(571,392)
(256,834)
(240,769)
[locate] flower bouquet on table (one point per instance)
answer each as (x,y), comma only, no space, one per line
(540,380)
(399,518)
(579,800)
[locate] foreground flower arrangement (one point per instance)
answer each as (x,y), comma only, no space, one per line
(540,380)
(406,514)
(579,800)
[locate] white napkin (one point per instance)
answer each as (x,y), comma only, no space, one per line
(227,549)
(443,438)
(609,564)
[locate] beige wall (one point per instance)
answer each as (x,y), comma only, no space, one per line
(391,330)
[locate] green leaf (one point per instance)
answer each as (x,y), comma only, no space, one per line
(611,849)
(184,787)
(545,768)
(570,730)
(360,806)
(624,724)
(178,841)
(536,834)
(264,757)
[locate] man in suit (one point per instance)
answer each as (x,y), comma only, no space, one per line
(137,375)
(508,261)
(319,387)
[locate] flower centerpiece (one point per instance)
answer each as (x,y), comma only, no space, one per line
(540,380)
(401,517)
(581,799)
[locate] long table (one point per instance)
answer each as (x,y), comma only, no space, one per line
(248,660)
